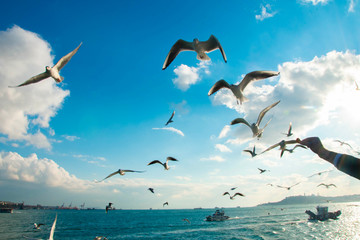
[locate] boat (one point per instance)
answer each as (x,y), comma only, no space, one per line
(322,214)
(6,210)
(219,215)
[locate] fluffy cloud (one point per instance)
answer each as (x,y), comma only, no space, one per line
(222,148)
(352,5)
(70,138)
(313,94)
(265,12)
(187,76)
(171,129)
(213,158)
(224,131)
(41,171)
(25,110)
(315,2)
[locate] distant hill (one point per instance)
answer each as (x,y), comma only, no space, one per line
(313,199)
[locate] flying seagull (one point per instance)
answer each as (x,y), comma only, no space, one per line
(288,188)
(187,220)
(51,71)
(282,145)
(326,185)
(165,203)
(262,170)
(170,120)
(343,143)
(289,133)
(253,154)
(108,207)
(319,173)
(37,226)
(238,89)
(51,236)
(121,172)
(151,190)
(257,132)
(292,150)
(232,197)
(201,48)
(166,166)
(233,188)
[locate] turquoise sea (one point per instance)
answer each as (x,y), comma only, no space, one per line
(265,222)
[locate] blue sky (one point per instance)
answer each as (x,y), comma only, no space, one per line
(55,139)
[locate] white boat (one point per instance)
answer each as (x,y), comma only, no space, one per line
(219,215)
(322,214)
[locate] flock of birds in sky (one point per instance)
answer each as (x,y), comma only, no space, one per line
(201,48)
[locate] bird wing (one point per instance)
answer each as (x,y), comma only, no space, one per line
(249,151)
(321,184)
(155,161)
(185,219)
(348,145)
(272,147)
(256,75)
(295,184)
(65,59)
(132,171)
(240,194)
(111,175)
(171,159)
(34,79)
(331,184)
(166,203)
(299,145)
(170,119)
(178,47)
(226,193)
(51,236)
(281,186)
(218,85)
(261,170)
(240,120)
(264,111)
(212,44)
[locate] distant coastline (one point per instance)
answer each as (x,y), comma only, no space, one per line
(313,199)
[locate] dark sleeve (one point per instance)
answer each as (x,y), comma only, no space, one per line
(349,165)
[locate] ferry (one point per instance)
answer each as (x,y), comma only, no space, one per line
(322,214)
(219,215)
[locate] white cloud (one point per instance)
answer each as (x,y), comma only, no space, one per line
(352,5)
(315,2)
(265,12)
(70,138)
(213,158)
(41,171)
(187,76)
(171,129)
(183,178)
(26,109)
(313,94)
(222,148)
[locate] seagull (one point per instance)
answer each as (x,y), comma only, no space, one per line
(319,173)
(282,145)
(288,188)
(269,184)
(238,89)
(326,185)
(187,220)
(292,150)
(257,132)
(232,189)
(201,48)
(121,172)
(289,133)
(151,190)
(253,154)
(343,143)
(170,120)
(262,170)
(37,226)
(108,207)
(166,166)
(51,71)
(232,197)
(165,203)
(51,236)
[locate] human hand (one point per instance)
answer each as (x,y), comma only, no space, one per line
(313,143)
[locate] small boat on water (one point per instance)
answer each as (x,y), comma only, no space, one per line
(322,214)
(219,215)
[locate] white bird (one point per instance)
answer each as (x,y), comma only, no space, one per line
(289,133)
(232,197)
(166,166)
(343,143)
(165,203)
(170,120)
(51,71)
(257,132)
(262,170)
(238,89)
(121,172)
(319,173)
(201,48)
(51,237)
(187,220)
(326,185)
(282,145)
(37,226)
(292,150)
(288,188)
(253,154)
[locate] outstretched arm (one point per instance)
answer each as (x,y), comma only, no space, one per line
(345,163)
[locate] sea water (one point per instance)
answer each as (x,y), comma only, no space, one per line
(265,222)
